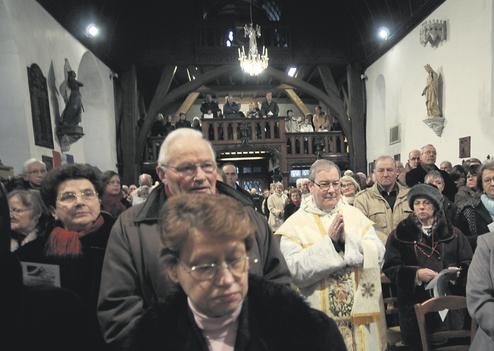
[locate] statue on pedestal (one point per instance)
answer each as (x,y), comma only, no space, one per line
(431,92)
(68,129)
(434,119)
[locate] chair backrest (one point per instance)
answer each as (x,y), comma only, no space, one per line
(435,304)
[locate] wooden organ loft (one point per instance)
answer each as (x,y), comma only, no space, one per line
(262,149)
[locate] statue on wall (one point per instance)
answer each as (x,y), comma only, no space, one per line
(71,115)
(68,129)
(431,92)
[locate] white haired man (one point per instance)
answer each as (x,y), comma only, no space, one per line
(131,278)
(34,171)
(428,155)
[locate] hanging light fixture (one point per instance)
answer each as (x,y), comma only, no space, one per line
(253,62)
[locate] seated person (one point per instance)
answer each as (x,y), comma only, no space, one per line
(419,248)
(217,306)
(28,217)
(77,241)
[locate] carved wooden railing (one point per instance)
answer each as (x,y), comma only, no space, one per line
(265,132)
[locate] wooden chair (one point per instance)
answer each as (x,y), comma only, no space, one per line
(393,333)
(436,304)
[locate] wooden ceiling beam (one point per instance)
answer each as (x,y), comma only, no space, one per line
(297,101)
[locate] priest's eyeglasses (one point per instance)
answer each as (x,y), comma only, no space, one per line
(327,185)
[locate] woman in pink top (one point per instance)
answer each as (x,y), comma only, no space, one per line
(217,305)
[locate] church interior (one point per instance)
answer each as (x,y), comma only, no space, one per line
(274,86)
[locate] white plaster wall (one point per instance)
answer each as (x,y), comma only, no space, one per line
(465,62)
(28,34)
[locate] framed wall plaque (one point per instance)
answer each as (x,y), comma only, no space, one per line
(48,162)
(40,108)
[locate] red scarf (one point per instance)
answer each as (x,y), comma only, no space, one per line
(66,243)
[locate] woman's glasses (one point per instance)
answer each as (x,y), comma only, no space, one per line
(71,197)
(209,271)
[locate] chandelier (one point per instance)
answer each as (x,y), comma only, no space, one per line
(253,62)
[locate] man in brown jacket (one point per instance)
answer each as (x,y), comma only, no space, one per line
(385,203)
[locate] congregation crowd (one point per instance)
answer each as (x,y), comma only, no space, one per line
(193,261)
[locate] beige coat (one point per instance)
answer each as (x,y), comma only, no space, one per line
(276,207)
(377,209)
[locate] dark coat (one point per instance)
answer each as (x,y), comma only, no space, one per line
(80,276)
(273,318)
(473,219)
(210,106)
(417,175)
(290,208)
(404,257)
(182,123)
(270,107)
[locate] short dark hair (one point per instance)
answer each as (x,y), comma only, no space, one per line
(107,176)
(49,185)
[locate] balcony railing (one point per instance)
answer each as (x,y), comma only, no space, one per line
(265,132)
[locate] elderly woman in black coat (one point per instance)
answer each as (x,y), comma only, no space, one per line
(77,241)
(476,214)
(419,248)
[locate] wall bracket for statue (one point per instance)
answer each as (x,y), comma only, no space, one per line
(68,129)
(436,124)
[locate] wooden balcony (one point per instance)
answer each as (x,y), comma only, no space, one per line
(287,149)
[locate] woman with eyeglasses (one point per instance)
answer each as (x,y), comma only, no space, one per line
(349,188)
(28,217)
(206,243)
(470,189)
(423,245)
(77,241)
(476,216)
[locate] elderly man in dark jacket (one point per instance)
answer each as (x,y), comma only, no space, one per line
(132,277)
(427,163)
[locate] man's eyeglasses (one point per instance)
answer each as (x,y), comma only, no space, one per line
(327,185)
(414,158)
(189,169)
(487,180)
(37,171)
(70,197)
(210,270)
